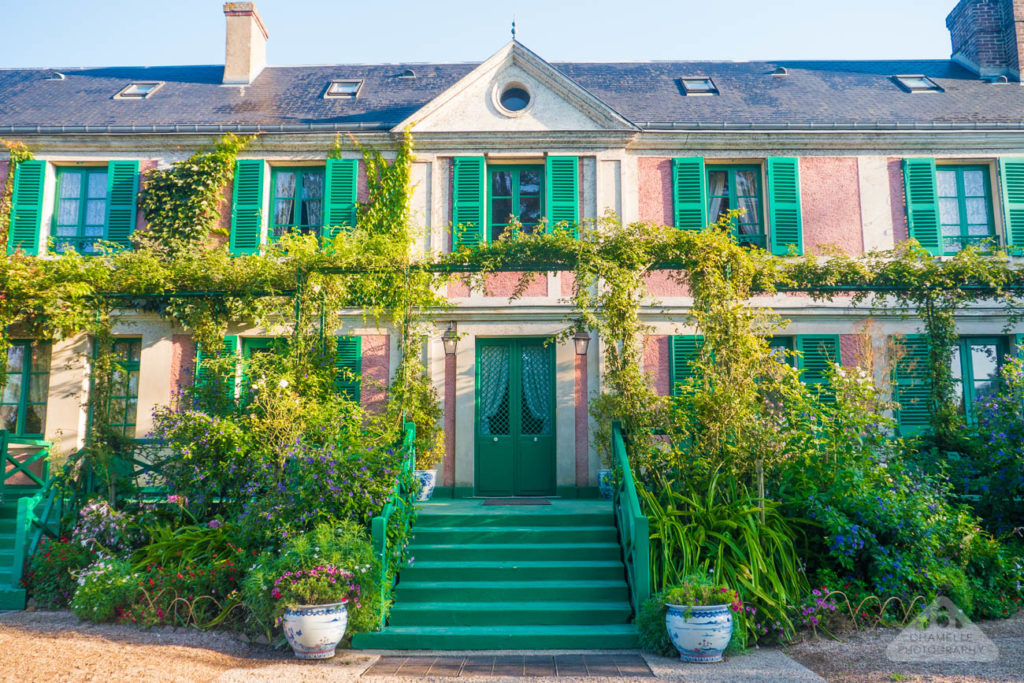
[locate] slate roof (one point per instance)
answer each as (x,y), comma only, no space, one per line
(857,94)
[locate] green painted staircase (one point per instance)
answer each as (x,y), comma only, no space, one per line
(511,578)
(12,595)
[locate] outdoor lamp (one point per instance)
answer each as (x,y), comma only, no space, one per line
(582,341)
(450,339)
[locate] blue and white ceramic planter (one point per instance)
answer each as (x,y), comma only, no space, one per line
(701,632)
(314,631)
(605,484)
(427,479)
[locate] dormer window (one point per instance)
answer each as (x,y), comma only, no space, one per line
(698,85)
(917,83)
(139,90)
(344,89)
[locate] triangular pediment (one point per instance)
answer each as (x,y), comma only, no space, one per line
(556,102)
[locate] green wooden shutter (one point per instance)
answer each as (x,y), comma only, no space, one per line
(122,190)
(816,353)
(689,193)
(1011,174)
(468,202)
(340,193)
(683,352)
(785,217)
(27,207)
(348,357)
(229,348)
(247,207)
(922,203)
(912,386)
(562,192)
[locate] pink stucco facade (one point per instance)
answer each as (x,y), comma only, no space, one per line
(656,354)
(898,197)
(830,199)
(376,371)
(183,362)
(448,466)
(501,285)
(665,283)
(582,401)
(654,198)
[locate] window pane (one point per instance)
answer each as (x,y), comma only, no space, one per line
(70,185)
(501,210)
(954,364)
(285,184)
(984,361)
(37,388)
(751,210)
(97,186)
(949,211)
(746,183)
(131,408)
(41,358)
(984,391)
(67,213)
(947,183)
(718,183)
(15,358)
(717,208)
(9,418)
(95,212)
(313,185)
(974,183)
(35,418)
(312,212)
(283,212)
(529,209)
(501,183)
(977,210)
(12,392)
(529,182)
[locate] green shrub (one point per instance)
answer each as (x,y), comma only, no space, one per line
(716,530)
(650,622)
(344,545)
(105,588)
(50,572)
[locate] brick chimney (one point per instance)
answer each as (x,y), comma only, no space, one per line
(988,36)
(245,54)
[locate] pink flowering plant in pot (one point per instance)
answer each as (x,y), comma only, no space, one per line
(699,618)
(313,608)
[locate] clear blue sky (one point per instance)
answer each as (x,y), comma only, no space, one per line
(62,33)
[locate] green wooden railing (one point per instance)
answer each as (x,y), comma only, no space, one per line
(634,532)
(402,503)
(29,494)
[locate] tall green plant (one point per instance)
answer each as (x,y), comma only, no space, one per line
(718,529)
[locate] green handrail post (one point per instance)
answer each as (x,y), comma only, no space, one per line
(634,529)
(401,497)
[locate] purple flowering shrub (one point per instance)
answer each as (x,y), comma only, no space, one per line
(345,549)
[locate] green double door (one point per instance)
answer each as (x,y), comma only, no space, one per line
(515,418)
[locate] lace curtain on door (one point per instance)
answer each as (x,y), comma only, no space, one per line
(494,362)
(536,390)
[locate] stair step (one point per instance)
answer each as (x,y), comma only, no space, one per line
(509,591)
(535,552)
(513,570)
(604,637)
(12,598)
(509,613)
(500,517)
(512,535)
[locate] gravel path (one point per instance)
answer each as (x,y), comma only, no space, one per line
(55,646)
(861,657)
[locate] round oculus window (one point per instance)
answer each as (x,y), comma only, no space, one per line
(514,98)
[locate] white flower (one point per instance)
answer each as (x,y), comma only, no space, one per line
(283,384)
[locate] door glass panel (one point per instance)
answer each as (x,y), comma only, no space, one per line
(9,418)
(494,394)
(536,379)
(529,183)
(501,183)
(35,418)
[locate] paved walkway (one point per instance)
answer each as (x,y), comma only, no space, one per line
(55,646)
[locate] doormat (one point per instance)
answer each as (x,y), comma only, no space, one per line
(517,501)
